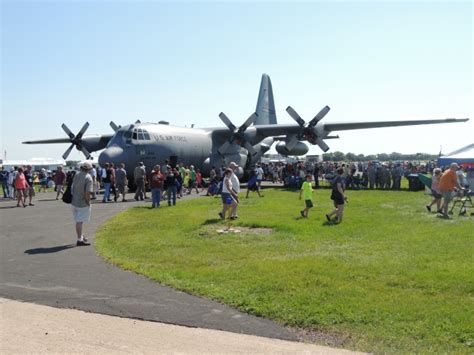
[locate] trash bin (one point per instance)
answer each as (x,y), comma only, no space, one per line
(414,183)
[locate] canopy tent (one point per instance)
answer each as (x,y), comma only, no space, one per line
(463,156)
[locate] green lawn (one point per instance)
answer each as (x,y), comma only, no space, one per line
(391,278)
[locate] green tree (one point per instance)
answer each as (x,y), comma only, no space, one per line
(328,157)
(338,156)
(351,157)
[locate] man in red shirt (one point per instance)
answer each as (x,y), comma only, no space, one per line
(156,184)
(447,184)
(59,180)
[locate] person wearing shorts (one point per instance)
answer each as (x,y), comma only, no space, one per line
(435,190)
(59,181)
(82,188)
(448,182)
(307,190)
(338,197)
(30,190)
(230,199)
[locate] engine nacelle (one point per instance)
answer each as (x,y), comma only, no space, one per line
(299,149)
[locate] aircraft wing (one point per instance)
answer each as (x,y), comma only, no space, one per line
(377,124)
(268,130)
(49,141)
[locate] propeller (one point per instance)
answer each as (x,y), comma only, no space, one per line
(238,135)
(76,141)
(307,129)
(114,126)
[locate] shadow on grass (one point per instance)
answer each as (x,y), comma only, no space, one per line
(330,223)
(211,221)
(49,250)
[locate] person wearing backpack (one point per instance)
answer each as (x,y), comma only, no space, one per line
(82,188)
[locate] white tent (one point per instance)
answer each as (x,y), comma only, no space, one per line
(463,156)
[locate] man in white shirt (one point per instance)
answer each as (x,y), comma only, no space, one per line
(259,173)
(235,186)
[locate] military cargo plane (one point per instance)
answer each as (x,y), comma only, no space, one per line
(152,143)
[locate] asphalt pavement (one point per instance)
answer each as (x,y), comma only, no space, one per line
(40,264)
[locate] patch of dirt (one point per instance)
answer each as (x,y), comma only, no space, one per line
(262,231)
(235,230)
(319,337)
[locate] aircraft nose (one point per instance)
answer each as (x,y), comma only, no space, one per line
(111,155)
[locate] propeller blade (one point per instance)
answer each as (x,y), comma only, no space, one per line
(224,147)
(249,122)
(227,121)
(319,116)
(252,151)
(68,131)
(68,151)
(292,143)
(321,144)
(114,126)
(86,153)
(295,116)
(82,131)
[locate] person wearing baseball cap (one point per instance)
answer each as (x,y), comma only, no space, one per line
(82,189)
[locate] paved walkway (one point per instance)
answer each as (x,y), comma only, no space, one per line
(40,263)
(31,328)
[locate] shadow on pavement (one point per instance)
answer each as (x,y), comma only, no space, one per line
(49,250)
(6,207)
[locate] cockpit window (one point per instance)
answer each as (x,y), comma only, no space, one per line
(140,134)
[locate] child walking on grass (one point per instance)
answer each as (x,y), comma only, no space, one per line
(307,191)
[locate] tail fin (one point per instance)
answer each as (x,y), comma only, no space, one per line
(265,104)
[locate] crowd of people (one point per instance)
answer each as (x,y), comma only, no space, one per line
(169,183)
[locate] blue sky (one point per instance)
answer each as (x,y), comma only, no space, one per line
(185,62)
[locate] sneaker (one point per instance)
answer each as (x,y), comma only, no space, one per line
(221,215)
(31,204)
(328,218)
(428,207)
(82,243)
(302,213)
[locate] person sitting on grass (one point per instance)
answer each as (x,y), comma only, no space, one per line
(337,195)
(307,191)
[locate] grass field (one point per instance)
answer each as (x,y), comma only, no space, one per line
(391,278)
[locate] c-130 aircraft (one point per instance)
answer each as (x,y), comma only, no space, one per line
(153,143)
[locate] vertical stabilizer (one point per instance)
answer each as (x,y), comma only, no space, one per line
(265,104)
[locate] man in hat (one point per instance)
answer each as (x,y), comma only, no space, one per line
(447,184)
(82,188)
